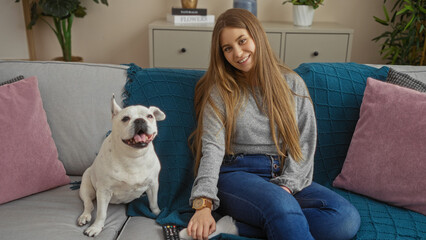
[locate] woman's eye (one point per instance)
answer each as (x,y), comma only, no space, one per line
(150,116)
(227,49)
(125,119)
(242,41)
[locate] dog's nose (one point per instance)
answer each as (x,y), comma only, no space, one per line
(139,121)
(140,125)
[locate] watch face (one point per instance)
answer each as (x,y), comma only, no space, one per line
(198,203)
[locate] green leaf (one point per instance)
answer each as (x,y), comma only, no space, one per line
(409,7)
(106,1)
(314,3)
(80,11)
(389,52)
(409,23)
(402,11)
(59,8)
(399,2)
(384,35)
(395,57)
(381,21)
(386,13)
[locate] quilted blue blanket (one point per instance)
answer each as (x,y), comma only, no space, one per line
(336,90)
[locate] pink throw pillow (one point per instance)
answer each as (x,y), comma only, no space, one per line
(386,159)
(28,156)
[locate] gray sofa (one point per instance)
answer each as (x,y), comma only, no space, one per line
(76,98)
(78,120)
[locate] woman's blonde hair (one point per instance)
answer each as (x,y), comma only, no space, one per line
(266,75)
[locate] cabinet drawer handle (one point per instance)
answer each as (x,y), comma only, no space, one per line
(183,50)
(316,53)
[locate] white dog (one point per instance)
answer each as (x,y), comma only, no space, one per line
(125,167)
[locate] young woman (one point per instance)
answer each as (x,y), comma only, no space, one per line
(254,145)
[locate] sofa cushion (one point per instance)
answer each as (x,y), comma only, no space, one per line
(141,226)
(405,80)
(53,215)
(416,72)
(336,90)
(15,79)
(28,155)
(76,98)
(173,92)
(150,230)
(386,157)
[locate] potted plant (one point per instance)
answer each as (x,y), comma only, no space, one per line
(404,43)
(303,11)
(62,13)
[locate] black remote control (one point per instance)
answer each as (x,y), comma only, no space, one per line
(171,232)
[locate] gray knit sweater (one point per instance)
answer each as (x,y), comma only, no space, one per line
(253,136)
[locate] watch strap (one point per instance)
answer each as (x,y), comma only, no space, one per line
(206,203)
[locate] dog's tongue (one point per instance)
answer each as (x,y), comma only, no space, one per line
(140,138)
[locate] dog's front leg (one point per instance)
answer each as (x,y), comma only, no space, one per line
(87,195)
(152,193)
(103,198)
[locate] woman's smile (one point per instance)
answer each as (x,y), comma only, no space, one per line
(243,60)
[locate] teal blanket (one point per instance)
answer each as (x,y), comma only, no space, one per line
(173,92)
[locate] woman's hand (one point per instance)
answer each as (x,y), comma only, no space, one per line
(202,224)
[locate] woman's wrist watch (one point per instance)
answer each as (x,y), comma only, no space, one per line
(200,203)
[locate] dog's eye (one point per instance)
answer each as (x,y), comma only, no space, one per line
(125,119)
(150,116)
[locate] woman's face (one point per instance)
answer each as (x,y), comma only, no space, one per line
(238,47)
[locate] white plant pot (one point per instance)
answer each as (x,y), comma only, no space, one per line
(303,15)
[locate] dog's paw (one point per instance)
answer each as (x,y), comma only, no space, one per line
(93,231)
(156,211)
(84,219)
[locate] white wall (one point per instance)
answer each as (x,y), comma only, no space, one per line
(13,41)
(119,33)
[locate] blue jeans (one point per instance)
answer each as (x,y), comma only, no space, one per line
(264,210)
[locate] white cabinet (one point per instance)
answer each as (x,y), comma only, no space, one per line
(312,47)
(180,48)
(188,46)
(275,40)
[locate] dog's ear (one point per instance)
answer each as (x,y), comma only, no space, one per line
(159,115)
(115,109)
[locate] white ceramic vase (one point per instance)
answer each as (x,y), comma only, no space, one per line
(303,15)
